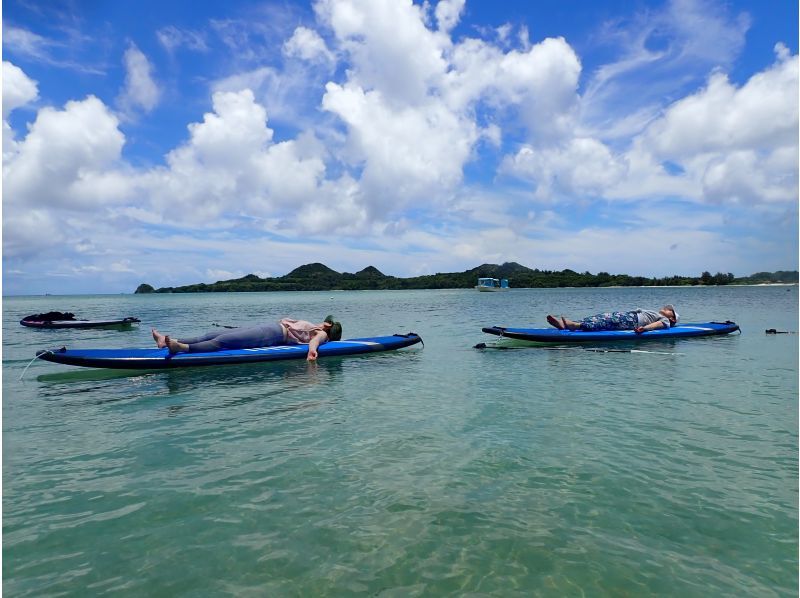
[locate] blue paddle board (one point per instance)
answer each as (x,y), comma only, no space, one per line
(149,359)
(554,335)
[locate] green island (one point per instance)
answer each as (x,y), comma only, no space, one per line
(319,277)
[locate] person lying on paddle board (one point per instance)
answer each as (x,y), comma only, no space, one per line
(283,332)
(638,320)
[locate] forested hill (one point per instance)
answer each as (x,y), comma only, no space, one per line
(318,277)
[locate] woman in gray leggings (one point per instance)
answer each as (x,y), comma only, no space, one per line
(284,332)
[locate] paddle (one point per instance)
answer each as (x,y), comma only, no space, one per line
(590,349)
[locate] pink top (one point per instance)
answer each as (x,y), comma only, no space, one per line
(300,331)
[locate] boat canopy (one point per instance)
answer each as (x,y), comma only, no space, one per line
(500,283)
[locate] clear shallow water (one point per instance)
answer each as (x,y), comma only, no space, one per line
(430,471)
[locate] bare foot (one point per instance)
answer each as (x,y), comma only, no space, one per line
(175,346)
(159,338)
(553,321)
(569,324)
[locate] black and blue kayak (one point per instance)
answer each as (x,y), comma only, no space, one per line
(153,359)
(554,335)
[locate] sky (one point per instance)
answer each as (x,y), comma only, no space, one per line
(179,142)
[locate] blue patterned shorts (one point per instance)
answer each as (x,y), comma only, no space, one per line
(615,320)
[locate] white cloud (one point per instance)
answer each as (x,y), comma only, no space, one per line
(253,80)
(729,141)
(67,159)
(229,164)
(339,210)
(408,153)
(388,46)
(543,82)
(744,176)
(431,94)
(66,163)
(448,13)
(121,266)
(539,84)
(18,88)
(140,92)
(291,95)
(720,144)
(662,53)
(29,232)
(27,43)
(724,118)
(307,44)
(49,51)
(704,31)
(580,167)
(172,38)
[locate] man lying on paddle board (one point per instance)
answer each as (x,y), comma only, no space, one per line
(638,320)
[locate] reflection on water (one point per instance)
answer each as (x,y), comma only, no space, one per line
(232,385)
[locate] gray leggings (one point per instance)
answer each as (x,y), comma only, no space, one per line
(263,335)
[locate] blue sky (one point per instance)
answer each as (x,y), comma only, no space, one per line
(182,142)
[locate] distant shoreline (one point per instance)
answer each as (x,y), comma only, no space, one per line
(319,277)
(768,284)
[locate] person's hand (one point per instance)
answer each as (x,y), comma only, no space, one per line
(312,355)
(639,329)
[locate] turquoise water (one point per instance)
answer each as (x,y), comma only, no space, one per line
(442,470)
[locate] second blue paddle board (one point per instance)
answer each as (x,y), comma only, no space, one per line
(554,335)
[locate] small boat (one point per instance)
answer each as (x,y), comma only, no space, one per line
(57,319)
(492,284)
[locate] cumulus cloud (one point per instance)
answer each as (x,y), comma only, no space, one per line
(432,94)
(719,144)
(407,153)
(539,84)
(727,139)
(68,159)
(379,33)
(140,92)
(722,117)
(448,13)
(307,44)
(230,164)
(340,209)
(746,176)
(18,90)
(579,168)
